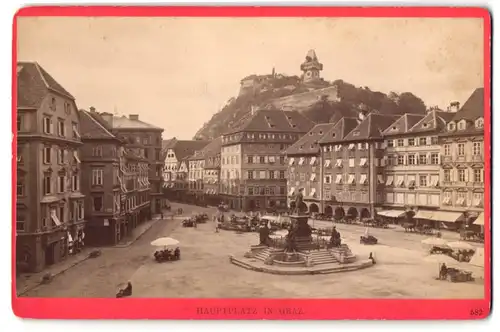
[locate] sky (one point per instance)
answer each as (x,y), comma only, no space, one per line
(177,72)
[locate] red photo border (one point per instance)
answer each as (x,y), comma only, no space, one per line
(291,309)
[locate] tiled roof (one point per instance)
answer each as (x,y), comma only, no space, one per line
(403,124)
(473,108)
(433,121)
(308,144)
(340,129)
(166,143)
(123,122)
(371,127)
(213,148)
(184,149)
(92,128)
(33,84)
(270,120)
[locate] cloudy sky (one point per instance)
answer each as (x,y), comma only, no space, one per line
(176,72)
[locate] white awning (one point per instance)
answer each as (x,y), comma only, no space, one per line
(390,180)
(338,179)
(412,183)
(478,202)
(75,155)
(301,161)
(292,191)
(362,162)
(313,161)
(434,181)
(480,219)
(313,176)
(351,146)
(447,216)
(327,163)
(54,218)
(291,161)
(338,163)
(351,179)
(75,131)
(338,147)
(424,215)
(380,179)
(363,179)
(391,213)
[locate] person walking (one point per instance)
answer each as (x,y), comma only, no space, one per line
(217,226)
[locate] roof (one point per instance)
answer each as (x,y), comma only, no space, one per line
(272,120)
(166,143)
(93,126)
(403,124)
(184,149)
(213,148)
(339,130)
(34,83)
(308,144)
(123,122)
(371,127)
(473,108)
(435,120)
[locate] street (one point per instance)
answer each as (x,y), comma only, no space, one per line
(403,269)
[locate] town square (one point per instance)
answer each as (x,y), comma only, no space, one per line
(297,185)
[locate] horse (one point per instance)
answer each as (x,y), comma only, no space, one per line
(409,227)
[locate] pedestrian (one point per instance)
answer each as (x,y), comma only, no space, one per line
(217,226)
(162,215)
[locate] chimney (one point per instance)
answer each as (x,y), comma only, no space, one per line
(108,117)
(92,109)
(454,106)
(134,117)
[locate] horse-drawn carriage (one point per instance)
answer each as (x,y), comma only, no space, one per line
(419,229)
(471,235)
(454,275)
(189,222)
(368,239)
(375,222)
(201,218)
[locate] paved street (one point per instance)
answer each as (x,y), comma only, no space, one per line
(403,269)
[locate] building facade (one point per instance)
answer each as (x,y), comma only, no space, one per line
(195,176)
(49,204)
(305,170)
(353,175)
(211,171)
(253,167)
(462,175)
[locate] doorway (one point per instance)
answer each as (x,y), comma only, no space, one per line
(49,254)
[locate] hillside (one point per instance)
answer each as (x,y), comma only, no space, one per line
(316,103)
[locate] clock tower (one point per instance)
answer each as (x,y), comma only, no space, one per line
(311,68)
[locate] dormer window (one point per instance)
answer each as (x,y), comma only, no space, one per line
(394,128)
(333,134)
(479,123)
(320,132)
(425,125)
(451,126)
(461,125)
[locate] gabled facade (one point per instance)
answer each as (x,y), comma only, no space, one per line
(463,157)
(253,164)
(304,168)
(211,171)
(50,212)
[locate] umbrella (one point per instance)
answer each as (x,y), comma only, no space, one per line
(459,245)
(164,242)
(435,242)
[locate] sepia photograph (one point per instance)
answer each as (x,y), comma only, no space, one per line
(251,157)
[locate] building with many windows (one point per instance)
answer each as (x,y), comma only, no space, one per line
(211,172)
(49,205)
(413,165)
(252,160)
(195,175)
(462,175)
(305,168)
(353,152)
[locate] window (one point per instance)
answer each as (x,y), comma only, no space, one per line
(80,210)
(461,125)
(422,141)
(401,160)
(422,159)
(390,143)
(53,104)
(447,150)
(411,142)
(282,190)
(282,160)
(158,154)
(76,133)
(97,151)
(75,183)
(250,174)
(422,180)
(461,175)
(328,179)
(282,175)
(477,149)
(146,153)
(97,203)
(401,142)
(47,154)
(351,162)
(461,149)
(271,174)
(250,190)
(62,214)
(47,187)
(20,122)
(20,220)
(434,158)
(434,140)
(447,175)
(262,159)
(411,159)
(61,153)
(61,129)
(20,152)
(249,159)
(451,126)
(480,123)
(47,125)
(478,175)
(97,177)
(61,181)
(262,174)
(20,187)
(67,108)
